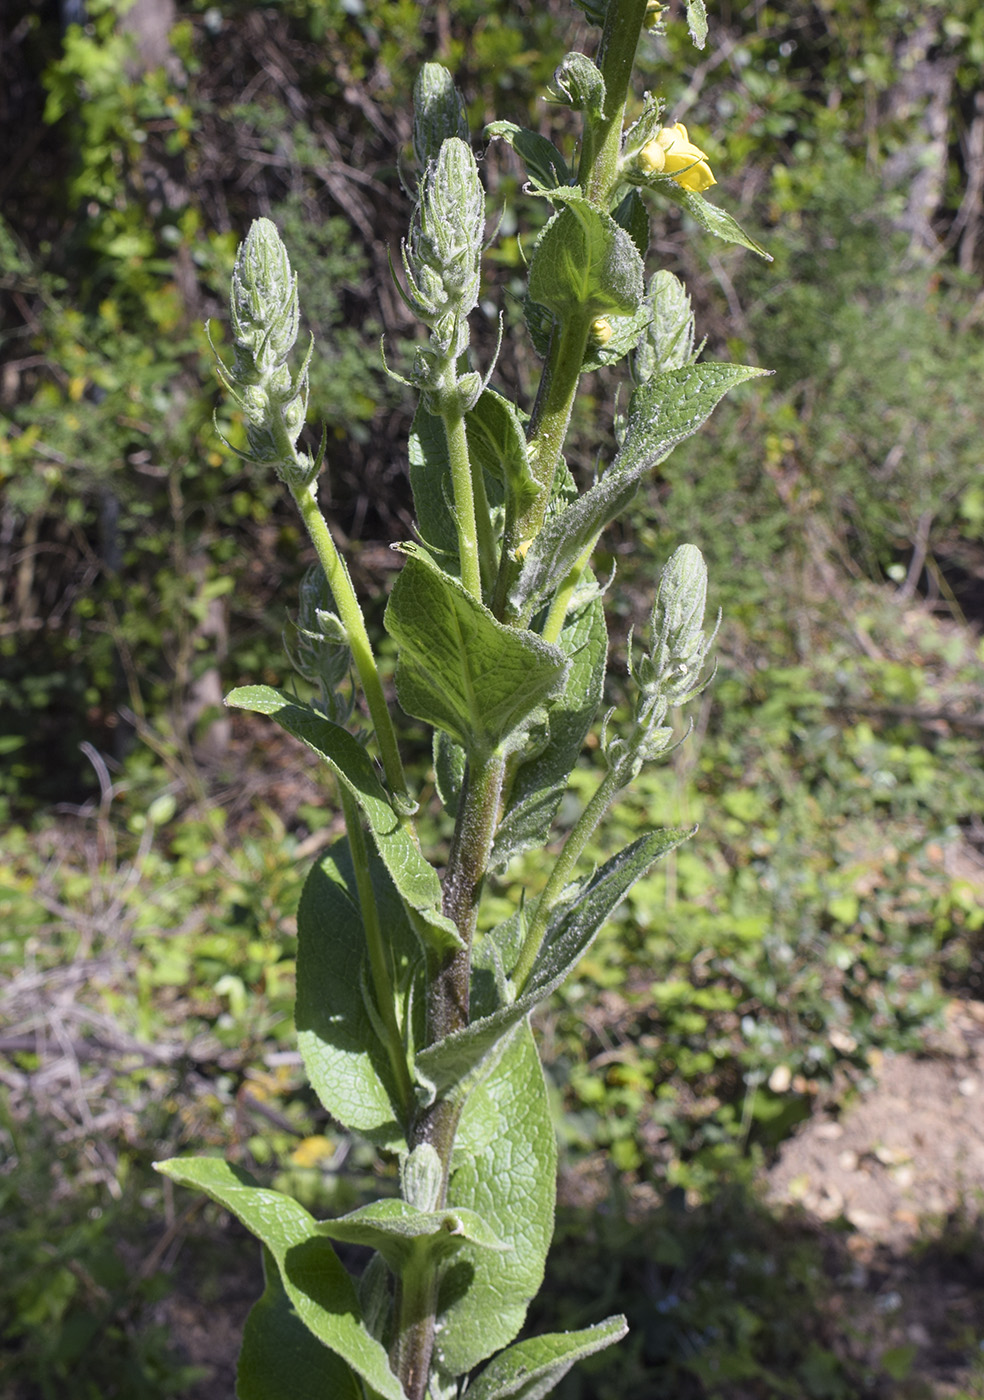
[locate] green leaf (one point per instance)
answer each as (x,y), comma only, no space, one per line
(540,782)
(540,323)
(281,1360)
(662,412)
(497,442)
(398,1231)
(531,1369)
(708,215)
(697,22)
(583,262)
(669,339)
(571,930)
(632,215)
(504,1169)
(594,10)
(545,165)
(449,770)
(345,1061)
(418,883)
(625,333)
(459,668)
(430,481)
(320,1290)
(670,407)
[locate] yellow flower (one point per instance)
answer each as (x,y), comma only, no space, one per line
(672,152)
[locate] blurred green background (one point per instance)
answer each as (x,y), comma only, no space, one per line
(153,849)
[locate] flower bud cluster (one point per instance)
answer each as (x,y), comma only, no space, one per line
(264,312)
(671,672)
(317,645)
(442,258)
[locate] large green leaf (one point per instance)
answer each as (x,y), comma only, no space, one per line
(281,1360)
(418,883)
(538,785)
(571,930)
(459,669)
(398,1231)
(430,477)
(671,406)
(504,1169)
(531,1369)
(346,1063)
(584,262)
(662,412)
(320,1290)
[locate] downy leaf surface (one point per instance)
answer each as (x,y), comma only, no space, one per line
(584,262)
(545,165)
(395,1229)
(504,1169)
(345,1061)
(322,1293)
(459,668)
(710,217)
(536,789)
(280,1359)
(663,412)
(571,930)
(531,1369)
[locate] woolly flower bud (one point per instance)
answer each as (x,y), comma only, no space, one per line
(679,643)
(263,304)
(438,112)
(442,259)
(264,312)
(671,152)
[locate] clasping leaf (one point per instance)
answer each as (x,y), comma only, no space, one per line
(459,668)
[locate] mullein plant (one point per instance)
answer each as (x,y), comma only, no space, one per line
(413,1008)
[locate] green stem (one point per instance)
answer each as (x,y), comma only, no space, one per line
(598,175)
(560,876)
(552,411)
(382,982)
(350,614)
(598,172)
(546,433)
(448,403)
(416,1304)
(557,615)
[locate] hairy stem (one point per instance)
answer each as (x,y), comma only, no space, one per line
(600,151)
(340,582)
(462,484)
(571,852)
